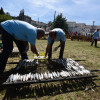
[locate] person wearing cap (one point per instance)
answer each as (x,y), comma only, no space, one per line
(21,33)
(56,34)
(95,36)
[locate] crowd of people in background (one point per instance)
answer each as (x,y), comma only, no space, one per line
(93,38)
(80,37)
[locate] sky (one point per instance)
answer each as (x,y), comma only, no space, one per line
(80,11)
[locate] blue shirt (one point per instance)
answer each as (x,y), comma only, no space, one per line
(96,34)
(21,30)
(60,35)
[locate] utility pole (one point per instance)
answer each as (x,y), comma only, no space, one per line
(92,30)
(54,15)
(38,22)
(93,23)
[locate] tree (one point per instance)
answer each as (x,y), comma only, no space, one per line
(1,11)
(4,16)
(7,13)
(60,22)
(50,24)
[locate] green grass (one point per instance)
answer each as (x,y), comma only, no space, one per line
(77,50)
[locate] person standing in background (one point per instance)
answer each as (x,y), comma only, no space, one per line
(95,36)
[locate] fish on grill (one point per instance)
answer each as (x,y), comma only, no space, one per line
(45,75)
(64,74)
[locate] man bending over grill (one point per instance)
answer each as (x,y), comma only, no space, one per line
(56,34)
(21,33)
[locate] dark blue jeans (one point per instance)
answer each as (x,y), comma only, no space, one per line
(94,40)
(7,41)
(61,50)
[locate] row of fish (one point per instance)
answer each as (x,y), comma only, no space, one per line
(70,64)
(27,62)
(48,75)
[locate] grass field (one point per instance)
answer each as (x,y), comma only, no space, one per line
(77,50)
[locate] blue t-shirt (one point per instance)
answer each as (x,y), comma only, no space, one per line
(21,30)
(96,34)
(60,35)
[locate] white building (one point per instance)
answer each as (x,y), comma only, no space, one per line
(81,28)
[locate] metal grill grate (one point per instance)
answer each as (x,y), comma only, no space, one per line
(47,71)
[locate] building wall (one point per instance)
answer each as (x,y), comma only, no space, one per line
(81,28)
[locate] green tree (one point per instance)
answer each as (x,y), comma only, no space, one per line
(50,25)
(4,16)
(2,11)
(60,22)
(7,13)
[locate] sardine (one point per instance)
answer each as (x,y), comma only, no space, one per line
(45,75)
(58,74)
(11,78)
(41,75)
(36,76)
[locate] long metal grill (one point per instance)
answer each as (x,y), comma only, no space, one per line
(44,70)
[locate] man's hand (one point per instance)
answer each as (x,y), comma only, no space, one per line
(47,49)
(34,50)
(56,48)
(37,54)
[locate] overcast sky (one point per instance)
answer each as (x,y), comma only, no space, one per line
(80,11)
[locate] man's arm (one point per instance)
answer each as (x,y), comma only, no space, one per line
(61,44)
(47,49)
(34,50)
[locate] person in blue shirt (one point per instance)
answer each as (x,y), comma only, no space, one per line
(21,33)
(95,36)
(56,34)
